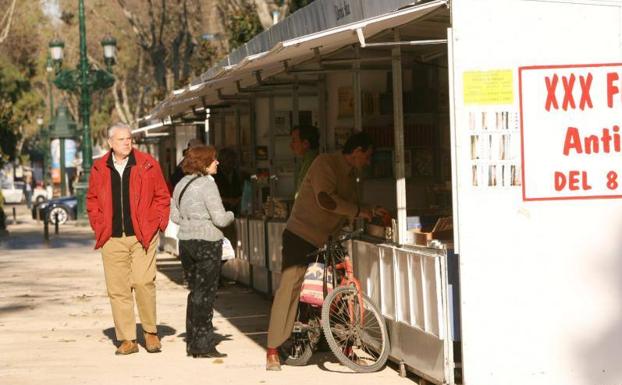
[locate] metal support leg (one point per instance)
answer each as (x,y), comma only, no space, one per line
(403,369)
(398,127)
(356,90)
(46,229)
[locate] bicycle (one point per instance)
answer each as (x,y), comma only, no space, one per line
(351,323)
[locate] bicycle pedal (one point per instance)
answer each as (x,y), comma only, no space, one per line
(297,328)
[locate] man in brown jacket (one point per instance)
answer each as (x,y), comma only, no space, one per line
(327,198)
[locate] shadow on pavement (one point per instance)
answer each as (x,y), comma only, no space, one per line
(171,267)
(163,331)
(29,237)
(14,308)
(245,309)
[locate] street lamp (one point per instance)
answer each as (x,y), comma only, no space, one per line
(84,80)
(56,51)
(110,50)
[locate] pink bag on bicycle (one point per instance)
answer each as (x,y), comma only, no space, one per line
(312,291)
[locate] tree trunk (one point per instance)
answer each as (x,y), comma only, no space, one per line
(264,12)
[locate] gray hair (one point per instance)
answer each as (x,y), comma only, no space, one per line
(117,126)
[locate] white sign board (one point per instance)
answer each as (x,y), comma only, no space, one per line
(537,96)
(570,125)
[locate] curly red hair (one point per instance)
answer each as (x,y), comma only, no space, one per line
(197,159)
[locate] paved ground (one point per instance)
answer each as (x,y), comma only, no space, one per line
(56,327)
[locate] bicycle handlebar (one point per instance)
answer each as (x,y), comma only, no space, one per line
(333,242)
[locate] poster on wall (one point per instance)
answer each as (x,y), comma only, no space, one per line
(345,102)
(70,152)
(282,123)
(493,128)
(571,131)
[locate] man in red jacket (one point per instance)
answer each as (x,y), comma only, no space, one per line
(128,203)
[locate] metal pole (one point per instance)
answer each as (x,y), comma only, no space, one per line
(272,145)
(323,105)
(46,229)
(238,125)
(85,106)
(46,158)
(56,223)
(295,107)
(253,128)
(356,91)
(14,216)
(398,127)
(63,182)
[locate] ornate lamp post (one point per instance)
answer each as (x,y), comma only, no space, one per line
(43,133)
(84,80)
(49,68)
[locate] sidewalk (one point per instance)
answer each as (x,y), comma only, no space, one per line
(56,327)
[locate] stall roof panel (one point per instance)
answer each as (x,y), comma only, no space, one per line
(293,51)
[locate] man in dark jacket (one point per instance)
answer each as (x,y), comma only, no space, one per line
(179,173)
(128,203)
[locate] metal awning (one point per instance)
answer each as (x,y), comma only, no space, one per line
(228,79)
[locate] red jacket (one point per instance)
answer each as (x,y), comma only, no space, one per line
(149,199)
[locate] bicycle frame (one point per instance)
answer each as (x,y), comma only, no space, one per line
(348,276)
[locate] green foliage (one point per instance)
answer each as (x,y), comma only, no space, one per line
(203,58)
(242,25)
(18,105)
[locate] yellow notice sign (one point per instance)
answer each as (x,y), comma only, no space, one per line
(488,87)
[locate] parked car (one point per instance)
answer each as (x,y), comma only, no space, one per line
(41,194)
(65,207)
(13,192)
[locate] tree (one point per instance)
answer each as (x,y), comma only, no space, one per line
(18,105)
(242,22)
(19,101)
(168,35)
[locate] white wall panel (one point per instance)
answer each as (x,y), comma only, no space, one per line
(540,280)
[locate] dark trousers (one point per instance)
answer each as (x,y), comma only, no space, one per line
(201,262)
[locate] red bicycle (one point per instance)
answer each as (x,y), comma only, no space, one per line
(352,324)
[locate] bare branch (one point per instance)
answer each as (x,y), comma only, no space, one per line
(117,102)
(138,29)
(8,16)
(162,21)
(263,11)
(126,102)
(115,24)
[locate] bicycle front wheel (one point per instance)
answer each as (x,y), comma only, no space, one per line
(355,330)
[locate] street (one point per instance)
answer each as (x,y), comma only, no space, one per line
(56,325)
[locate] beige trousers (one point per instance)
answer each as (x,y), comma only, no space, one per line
(128,266)
(285,305)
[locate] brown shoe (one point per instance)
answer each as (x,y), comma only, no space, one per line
(273,362)
(152,343)
(127,347)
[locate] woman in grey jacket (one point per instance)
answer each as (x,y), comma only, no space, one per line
(198,210)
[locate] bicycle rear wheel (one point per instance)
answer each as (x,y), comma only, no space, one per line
(355,330)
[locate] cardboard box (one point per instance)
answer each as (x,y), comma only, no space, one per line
(442,230)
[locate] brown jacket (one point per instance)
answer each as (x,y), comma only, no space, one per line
(326,199)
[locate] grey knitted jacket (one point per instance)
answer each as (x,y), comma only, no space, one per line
(201,212)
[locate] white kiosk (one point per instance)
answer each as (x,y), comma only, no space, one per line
(533,90)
